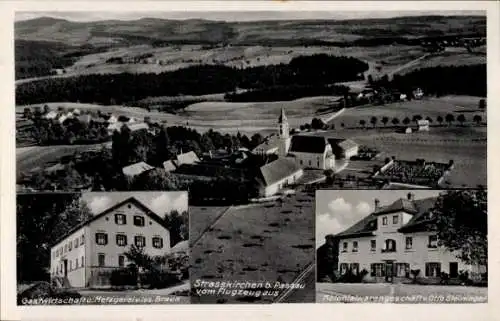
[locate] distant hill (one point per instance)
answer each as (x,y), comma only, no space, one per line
(287,32)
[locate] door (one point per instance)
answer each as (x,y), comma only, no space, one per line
(389,271)
(453,269)
(65,262)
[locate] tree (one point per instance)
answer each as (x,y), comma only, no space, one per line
(429,119)
(461,119)
(373,121)
(385,120)
(406,121)
(362,122)
(46,109)
(317,123)
(449,118)
(461,223)
(256,140)
(370,79)
(395,121)
(477,119)
(482,104)
(440,120)
(416,118)
(27,114)
(178,226)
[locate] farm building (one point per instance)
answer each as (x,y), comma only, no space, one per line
(137,126)
(418,93)
(136,169)
(312,152)
(268,146)
(343,148)
(114,126)
(187,158)
(408,130)
(50,115)
(84,118)
(423,125)
(278,174)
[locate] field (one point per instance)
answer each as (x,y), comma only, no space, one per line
(428,107)
(200,218)
(331,292)
(264,242)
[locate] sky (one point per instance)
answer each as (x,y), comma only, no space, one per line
(232,16)
(159,202)
(337,210)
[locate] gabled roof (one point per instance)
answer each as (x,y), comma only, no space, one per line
(136,126)
(417,208)
(136,169)
(278,170)
(182,246)
(132,200)
(308,144)
(169,166)
(345,144)
(270,142)
(187,158)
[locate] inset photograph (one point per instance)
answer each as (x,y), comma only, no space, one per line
(102,248)
(401,246)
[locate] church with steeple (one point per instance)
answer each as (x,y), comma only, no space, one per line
(284,134)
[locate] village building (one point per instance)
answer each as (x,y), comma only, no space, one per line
(312,152)
(188,158)
(50,115)
(408,130)
(84,118)
(343,148)
(137,126)
(423,125)
(394,240)
(86,255)
(418,93)
(278,174)
(169,166)
(136,169)
(276,144)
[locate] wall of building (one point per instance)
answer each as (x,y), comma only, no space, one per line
(274,188)
(75,272)
(317,161)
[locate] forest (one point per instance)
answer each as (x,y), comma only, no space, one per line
(72,131)
(123,88)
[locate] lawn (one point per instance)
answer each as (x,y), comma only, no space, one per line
(201,218)
(263,242)
(328,292)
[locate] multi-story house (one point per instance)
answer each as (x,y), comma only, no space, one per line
(395,240)
(88,253)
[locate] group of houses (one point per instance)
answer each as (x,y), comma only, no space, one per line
(85,256)
(395,241)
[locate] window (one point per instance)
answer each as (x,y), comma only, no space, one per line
(432,269)
(140,241)
(121,240)
(310,162)
(384,220)
(101,238)
(395,219)
(70,265)
(56,253)
(82,261)
(390,246)
(409,242)
(355,246)
(373,245)
(403,270)
(343,268)
(157,242)
(76,243)
(120,219)
(101,259)
(82,240)
(354,268)
(138,220)
(65,248)
(301,162)
(76,263)
(377,269)
(432,242)
(121,261)
(344,247)
(70,246)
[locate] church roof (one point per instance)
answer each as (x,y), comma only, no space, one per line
(308,144)
(282,117)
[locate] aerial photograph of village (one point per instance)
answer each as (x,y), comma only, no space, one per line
(404,246)
(249,113)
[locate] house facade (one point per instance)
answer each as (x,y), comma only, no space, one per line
(395,240)
(312,152)
(86,256)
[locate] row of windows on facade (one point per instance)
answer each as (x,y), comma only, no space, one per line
(122,240)
(432,269)
(390,244)
(101,258)
(395,220)
(69,246)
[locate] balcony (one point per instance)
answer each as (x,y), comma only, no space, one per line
(388,250)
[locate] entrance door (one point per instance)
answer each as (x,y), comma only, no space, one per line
(453,269)
(65,268)
(389,271)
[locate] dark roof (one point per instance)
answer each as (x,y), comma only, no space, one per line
(419,221)
(308,144)
(132,199)
(278,170)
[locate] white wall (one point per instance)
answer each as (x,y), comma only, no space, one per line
(75,273)
(274,188)
(318,161)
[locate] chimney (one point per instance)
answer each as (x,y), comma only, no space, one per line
(410,196)
(377,203)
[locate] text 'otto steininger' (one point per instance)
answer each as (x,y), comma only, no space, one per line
(243,288)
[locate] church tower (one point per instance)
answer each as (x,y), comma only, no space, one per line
(284,134)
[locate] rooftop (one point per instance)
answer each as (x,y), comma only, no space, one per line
(136,169)
(278,170)
(308,144)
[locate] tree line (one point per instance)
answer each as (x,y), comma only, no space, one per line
(71,131)
(121,88)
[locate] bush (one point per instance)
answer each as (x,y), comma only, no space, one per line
(123,277)
(162,279)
